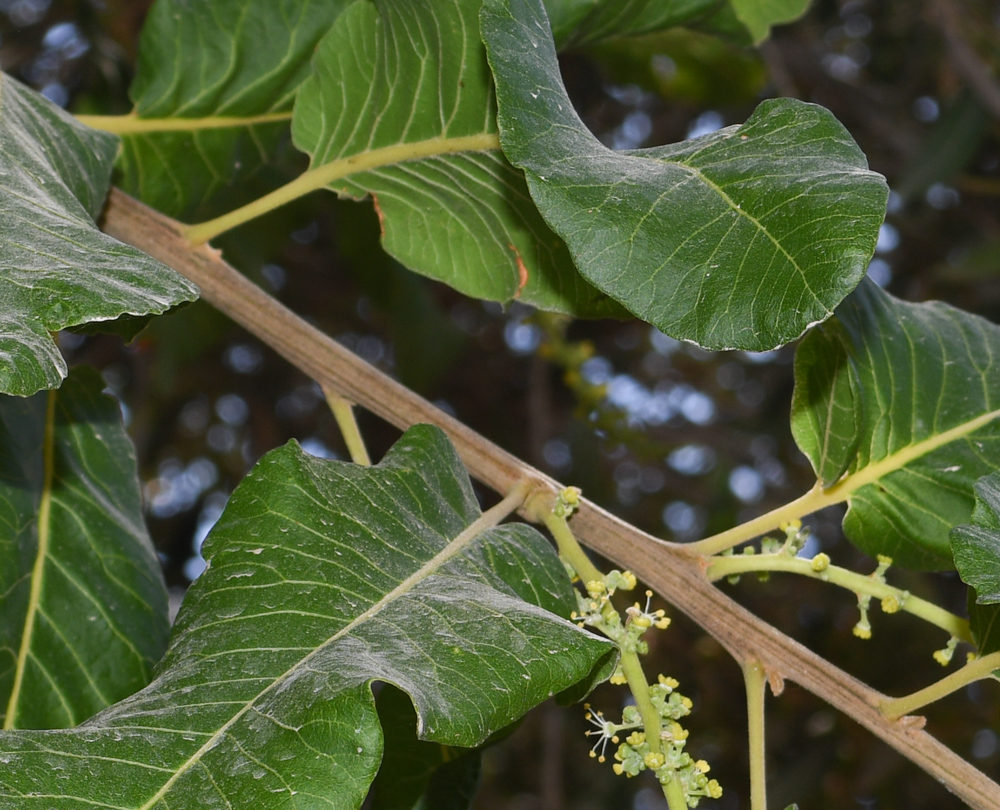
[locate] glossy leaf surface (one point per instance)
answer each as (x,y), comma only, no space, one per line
(400,117)
(323,576)
(83,617)
(739,239)
(926,403)
(207,59)
(56,268)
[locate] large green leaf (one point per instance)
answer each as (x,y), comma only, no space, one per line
(202,60)
(976,546)
(925,402)
(400,107)
(418,774)
(580,22)
(83,616)
(323,576)
(56,268)
(739,239)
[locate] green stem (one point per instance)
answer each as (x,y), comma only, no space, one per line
(720,567)
(343,412)
(814,500)
(132,124)
(673,792)
(570,550)
(636,678)
(754,678)
(321,176)
(820,497)
(976,670)
(652,724)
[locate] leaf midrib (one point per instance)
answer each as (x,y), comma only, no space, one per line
(485,521)
(132,124)
(41,557)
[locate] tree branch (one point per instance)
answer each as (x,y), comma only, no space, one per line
(674,572)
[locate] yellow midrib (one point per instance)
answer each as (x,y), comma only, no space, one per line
(873,472)
(819,497)
(41,556)
(485,521)
(322,175)
(132,124)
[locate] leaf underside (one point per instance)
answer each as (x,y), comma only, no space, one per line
(387,76)
(322,577)
(200,59)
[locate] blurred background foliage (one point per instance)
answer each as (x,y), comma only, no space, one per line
(679,441)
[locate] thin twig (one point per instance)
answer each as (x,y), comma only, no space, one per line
(755,679)
(343,412)
(667,567)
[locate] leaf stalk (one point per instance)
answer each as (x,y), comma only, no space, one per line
(861,584)
(820,497)
(976,670)
(754,680)
(321,176)
(343,412)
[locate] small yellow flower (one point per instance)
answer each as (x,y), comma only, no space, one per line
(654,761)
(820,562)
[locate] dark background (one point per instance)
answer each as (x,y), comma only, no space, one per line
(679,441)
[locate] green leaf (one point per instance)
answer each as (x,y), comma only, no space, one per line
(976,546)
(56,268)
(84,611)
(759,15)
(415,773)
(984,624)
(925,403)
(207,59)
(391,112)
(825,411)
(581,22)
(322,577)
(740,239)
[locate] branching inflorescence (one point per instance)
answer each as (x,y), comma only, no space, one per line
(654,739)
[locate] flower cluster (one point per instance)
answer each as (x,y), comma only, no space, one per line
(634,754)
(671,762)
(658,707)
